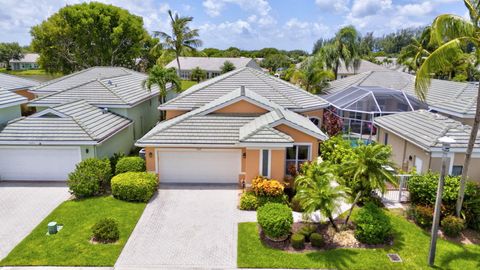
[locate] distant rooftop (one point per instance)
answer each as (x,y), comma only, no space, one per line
(9,98)
(211,63)
(27,58)
(364,67)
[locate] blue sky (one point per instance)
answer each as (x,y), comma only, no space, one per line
(249,24)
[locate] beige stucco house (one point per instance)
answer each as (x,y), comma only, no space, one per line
(235,127)
(414,140)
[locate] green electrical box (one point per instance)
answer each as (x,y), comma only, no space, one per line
(52,227)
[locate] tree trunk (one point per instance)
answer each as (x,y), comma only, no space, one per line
(336,71)
(355,201)
(330,218)
(178,64)
(468,155)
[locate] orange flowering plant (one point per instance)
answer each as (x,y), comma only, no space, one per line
(262,186)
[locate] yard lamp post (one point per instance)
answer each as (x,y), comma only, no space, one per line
(446,142)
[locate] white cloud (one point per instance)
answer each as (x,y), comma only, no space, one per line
(333,5)
(362,8)
(416,10)
(298,29)
(214,7)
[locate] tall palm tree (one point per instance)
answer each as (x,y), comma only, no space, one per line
(162,77)
(415,53)
(312,75)
(183,40)
(317,190)
(367,171)
(452,33)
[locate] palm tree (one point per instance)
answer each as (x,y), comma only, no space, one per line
(415,53)
(312,75)
(345,47)
(367,171)
(317,190)
(227,67)
(198,74)
(452,33)
(161,77)
(182,40)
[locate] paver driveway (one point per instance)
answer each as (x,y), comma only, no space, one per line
(185,227)
(23,205)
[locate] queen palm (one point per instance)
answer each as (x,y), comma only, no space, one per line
(183,40)
(367,171)
(317,190)
(162,77)
(452,33)
(312,75)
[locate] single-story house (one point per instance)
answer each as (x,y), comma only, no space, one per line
(454,99)
(117,89)
(47,145)
(212,65)
(364,66)
(20,86)
(414,140)
(10,106)
(233,128)
(28,61)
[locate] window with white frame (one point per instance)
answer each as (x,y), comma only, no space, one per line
(265,156)
(296,156)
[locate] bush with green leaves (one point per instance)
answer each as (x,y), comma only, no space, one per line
(452,226)
(262,200)
(106,230)
(90,177)
(372,225)
(307,230)
(130,164)
(336,150)
(115,158)
(248,201)
(317,240)
(134,186)
(298,241)
(275,219)
(422,215)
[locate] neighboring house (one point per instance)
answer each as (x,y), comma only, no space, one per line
(414,140)
(454,99)
(212,65)
(10,106)
(233,128)
(20,86)
(365,66)
(117,89)
(46,145)
(28,61)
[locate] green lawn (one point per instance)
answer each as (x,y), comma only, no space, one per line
(411,243)
(71,246)
(187,84)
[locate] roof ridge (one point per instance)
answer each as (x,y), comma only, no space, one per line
(62,91)
(50,82)
(112,91)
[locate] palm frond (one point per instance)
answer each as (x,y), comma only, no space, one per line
(447,27)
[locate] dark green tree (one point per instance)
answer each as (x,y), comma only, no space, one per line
(275,61)
(227,66)
(10,51)
(198,74)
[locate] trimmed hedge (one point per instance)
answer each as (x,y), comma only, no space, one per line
(248,201)
(130,164)
(372,225)
(90,177)
(317,240)
(275,219)
(452,226)
(134,186)
(298,241)
(307,230)
(106,230)
(262,200)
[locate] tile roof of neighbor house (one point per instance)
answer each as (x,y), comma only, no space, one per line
(273,89)
(101,86)
(199,127)
(454,98)
(74,123)
(11,82)
(27,58)
(8,99)
(365,66)
(424,128)
(209,63)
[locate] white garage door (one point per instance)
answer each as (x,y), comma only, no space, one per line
(41,163)
(199,165)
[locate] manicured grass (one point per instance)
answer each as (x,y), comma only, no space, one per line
(187,84)
(71,246)
(411,243)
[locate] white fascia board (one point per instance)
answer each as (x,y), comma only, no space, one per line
(266,145)
(35,143)
(173,145)
(453,113)
(7,105)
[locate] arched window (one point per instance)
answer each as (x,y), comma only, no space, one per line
(315,120)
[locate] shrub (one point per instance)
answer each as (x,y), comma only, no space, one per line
(267,187)
(106,230)
(115,158)
(275,219)
(423,216)
(90,177)
(248,201)
(130,164)
(336,150)
(372,225)
(317,240)
(262,200)
(307,230)
(134,186)
(296,206)
(298,241)
(452,226)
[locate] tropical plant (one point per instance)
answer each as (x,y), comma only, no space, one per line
(182,40)
(414,53)
(317,190)
(267,187)
(451,33)
(312,76)
(227,67)
(367,171)
(332,123)
(162,77)
(198,74)
(336,150)
(274,62)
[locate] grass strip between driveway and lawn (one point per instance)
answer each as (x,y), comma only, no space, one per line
(187,84)
(411,243)
(71,246)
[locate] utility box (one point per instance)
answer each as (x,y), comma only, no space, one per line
(52,227)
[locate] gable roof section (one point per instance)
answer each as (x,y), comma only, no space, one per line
(424,128)
(74,123)
(273,89)
(8,99)
(11,82)
(365,66)
(101,86)
(442,95)
(208,63)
